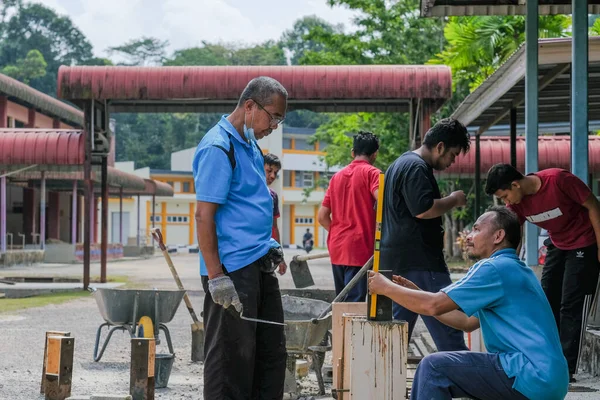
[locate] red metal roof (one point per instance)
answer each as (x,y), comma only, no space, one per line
(302,82)
(32,98)
(41,146)
(553,152)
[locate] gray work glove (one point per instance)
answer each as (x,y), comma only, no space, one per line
(223,292)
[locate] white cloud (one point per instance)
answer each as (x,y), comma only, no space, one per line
(186,23)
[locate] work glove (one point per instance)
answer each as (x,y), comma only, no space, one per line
(223,292)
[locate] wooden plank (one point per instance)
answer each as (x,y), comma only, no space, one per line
(337,331)
(48,333)
(59,368)
(347,353)
(141,374)
(379,352)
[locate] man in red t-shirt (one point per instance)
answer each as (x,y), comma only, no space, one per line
(558,201)
(272,168)
(348,213)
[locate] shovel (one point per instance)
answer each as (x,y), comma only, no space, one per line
(300,272)
(197,326)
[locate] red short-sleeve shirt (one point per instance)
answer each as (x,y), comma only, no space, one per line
(350,198)
(558,207)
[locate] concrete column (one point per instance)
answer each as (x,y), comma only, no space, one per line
(30,118)
(531,117)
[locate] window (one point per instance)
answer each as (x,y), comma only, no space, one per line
(304,220)
(287,143)
(186,187)
(287,178)
(302,144)
(304,179)
(156,218)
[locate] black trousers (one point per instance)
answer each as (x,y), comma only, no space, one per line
(567,277)
(245,360)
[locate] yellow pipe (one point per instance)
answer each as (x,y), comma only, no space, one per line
(378,219)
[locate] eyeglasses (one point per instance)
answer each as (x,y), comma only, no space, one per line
(274,121)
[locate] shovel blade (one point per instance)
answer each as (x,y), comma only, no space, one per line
(301,274)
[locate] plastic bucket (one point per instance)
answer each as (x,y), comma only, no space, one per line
(162,369)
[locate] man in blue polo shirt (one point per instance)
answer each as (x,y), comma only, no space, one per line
(234,215)
(501,295)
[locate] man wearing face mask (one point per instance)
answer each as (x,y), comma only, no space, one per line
(412,236)
(243,359)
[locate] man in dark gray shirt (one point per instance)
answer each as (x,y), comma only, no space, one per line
(412,237)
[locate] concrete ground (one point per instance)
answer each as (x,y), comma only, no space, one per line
(22,332)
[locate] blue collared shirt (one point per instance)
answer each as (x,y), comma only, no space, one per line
(516,322)
(245,214)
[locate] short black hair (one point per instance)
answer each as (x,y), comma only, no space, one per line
(500,177)
(450,132)
(507,220)
(365,143)
(272,160)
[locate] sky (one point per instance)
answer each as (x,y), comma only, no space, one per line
(186,23)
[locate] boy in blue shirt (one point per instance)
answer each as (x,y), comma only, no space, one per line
(501,295)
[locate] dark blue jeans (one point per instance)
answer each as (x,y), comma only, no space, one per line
(448,375)
(445,338)
(342,274)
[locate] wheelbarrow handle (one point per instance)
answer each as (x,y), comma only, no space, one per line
(311,256)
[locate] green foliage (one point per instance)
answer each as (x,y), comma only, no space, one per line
(477,46)
(267,53)
(295,40)
(595,29)
(143,51)
(30,26)
(25,69)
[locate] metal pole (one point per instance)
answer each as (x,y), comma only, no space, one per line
(74,214)
(138,221)
(579,91)
(3,214)
(43,212)
(121,215)
(531,117)
(104,225)
(153,213)
(477,175)
(513,137)
(87,216)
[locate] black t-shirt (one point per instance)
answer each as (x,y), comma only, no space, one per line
(407,242)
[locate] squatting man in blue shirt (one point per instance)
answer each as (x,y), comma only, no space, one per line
(234,215)
(501,295)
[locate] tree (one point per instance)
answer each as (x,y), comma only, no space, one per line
(143,51)
(30,26)
(25,69)
(477,46)
(208,54)
(295,40)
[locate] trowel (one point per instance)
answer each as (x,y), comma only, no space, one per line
(300,272)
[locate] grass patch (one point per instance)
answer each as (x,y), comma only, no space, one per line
(9,305)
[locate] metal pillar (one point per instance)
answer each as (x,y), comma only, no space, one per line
(154,214)
(531,117)
(74,214)
(3,214)
(104,225)
(579,91)
(138,221)
(513,137)
(43,212)
(121,215)
(477,175)
(88,191)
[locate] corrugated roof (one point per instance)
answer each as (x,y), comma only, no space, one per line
(442,8)
(41,147)
(554,152)
(21,93)
(206,89)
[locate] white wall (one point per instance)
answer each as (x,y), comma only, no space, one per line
(182,160)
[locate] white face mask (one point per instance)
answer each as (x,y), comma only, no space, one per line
(249,132)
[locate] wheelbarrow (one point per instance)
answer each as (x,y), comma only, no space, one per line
(122,309)
(306,332)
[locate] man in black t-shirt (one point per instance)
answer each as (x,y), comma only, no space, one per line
(412,236)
